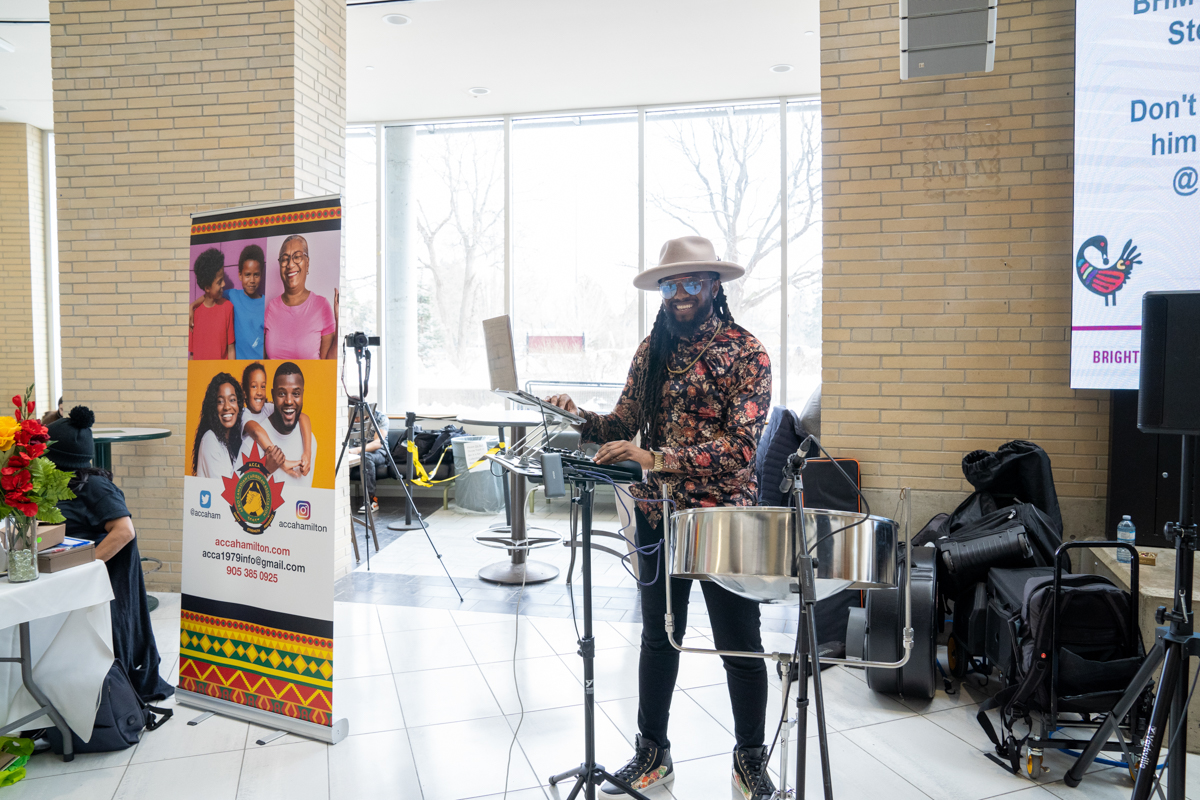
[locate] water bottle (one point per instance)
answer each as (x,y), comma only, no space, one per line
(1126,533)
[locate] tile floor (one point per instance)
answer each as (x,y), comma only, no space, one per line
(432,706)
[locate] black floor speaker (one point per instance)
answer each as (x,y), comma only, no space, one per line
(1169,389)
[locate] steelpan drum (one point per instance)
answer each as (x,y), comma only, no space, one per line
(751,550)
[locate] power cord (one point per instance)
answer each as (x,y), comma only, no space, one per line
(516,685)
(853,485)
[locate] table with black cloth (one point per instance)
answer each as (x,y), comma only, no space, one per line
(97,502)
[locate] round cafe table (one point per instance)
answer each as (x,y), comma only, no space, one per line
(105,435)
(518,568)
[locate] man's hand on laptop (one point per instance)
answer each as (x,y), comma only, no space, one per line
(564,402)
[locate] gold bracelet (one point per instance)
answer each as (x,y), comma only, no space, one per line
(660,462)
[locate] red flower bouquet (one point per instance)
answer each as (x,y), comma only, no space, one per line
(31,487)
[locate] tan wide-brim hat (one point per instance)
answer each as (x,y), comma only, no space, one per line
(684,255)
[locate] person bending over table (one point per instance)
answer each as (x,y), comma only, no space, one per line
(99,513)
(697,394)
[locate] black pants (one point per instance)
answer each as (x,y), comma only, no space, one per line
(735,626)
(371,463)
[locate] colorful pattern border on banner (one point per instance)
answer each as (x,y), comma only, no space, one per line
(265,668)
(267,220)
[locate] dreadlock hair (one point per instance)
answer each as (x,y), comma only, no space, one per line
(662,343)
(232,437)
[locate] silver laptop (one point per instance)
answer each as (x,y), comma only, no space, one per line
(502,370)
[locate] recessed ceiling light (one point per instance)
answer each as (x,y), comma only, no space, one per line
(396,19)
(809,33)
(479,91)
(7,46)
(781,68)
(368,66)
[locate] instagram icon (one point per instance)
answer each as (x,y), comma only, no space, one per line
(303,509)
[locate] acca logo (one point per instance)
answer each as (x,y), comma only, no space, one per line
(205,499)
(303,509)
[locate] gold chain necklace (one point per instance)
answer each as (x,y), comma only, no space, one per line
(697,358)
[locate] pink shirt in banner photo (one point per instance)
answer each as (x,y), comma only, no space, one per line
(294,333)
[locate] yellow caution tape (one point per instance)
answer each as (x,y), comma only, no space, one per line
(422,477)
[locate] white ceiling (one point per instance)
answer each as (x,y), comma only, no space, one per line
(542,55)
(534,55)
(25,86)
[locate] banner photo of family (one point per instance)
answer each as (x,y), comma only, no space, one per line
(256,626)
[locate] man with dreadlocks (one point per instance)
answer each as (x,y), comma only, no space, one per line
(697,398)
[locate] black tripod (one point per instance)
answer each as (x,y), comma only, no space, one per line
(361,414)
(1173,646)
(589,774)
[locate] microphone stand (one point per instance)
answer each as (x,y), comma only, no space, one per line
(806,639)
(589,774)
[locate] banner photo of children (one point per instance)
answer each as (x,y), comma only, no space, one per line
(273,297)
(259,516)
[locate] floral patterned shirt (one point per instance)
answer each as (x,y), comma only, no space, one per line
(712,417)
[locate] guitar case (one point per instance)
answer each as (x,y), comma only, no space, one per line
(885,631)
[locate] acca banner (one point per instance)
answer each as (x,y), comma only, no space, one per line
(1137,125)
(256,626)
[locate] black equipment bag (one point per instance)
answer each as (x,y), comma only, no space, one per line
(120,719)
(1017,536)
(433,449)
(1096,645)
(1005,599)
(885,624)
(1019,471)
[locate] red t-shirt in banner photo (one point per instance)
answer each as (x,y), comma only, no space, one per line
(212,331)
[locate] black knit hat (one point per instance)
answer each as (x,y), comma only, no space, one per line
(71,445)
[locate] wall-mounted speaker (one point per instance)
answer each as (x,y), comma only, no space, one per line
(1169,390)
(946,37)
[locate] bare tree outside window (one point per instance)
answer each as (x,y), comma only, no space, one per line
(712,171)
(459,201)
(715,172)
(358,300)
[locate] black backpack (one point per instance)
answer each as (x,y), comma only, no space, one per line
(120,719)
(1019,535)
(1098,652)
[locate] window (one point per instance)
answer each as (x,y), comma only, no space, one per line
(359,297)
(549,218)
(575,252)
(714,172)
(804,251)
(444,261)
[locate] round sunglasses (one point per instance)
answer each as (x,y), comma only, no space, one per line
(690,285)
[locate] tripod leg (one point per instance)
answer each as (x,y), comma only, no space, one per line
(1137,685)
(571,773)
(822,735)
(1167,687)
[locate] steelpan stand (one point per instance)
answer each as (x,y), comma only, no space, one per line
(806,647)
(589,774)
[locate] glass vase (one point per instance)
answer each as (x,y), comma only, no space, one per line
(20,542)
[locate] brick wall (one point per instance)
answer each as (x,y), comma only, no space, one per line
(23,354)
(163,108)
(947,295)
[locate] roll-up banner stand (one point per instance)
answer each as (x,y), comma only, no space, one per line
(256,626)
